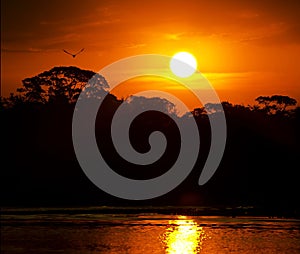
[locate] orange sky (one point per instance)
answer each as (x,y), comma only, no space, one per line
(244,48)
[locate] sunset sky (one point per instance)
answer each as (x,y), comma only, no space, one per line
(244,48)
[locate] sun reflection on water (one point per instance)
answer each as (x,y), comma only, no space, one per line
(183,236)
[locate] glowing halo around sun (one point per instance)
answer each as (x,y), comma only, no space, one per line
(183,64)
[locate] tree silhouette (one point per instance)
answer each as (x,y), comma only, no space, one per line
(13,101)
(60,85)
(275,104)
(261,152)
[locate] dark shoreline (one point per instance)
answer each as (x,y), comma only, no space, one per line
(163,210)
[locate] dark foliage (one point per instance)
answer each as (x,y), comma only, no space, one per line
(39,166)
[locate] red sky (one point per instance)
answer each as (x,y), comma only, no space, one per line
(244,48)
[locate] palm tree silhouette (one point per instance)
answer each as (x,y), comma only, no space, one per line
(73,55)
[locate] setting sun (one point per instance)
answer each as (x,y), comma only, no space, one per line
(183,64)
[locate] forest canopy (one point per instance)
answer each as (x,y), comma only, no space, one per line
(259,166)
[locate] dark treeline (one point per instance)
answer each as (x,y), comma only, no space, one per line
(39,166)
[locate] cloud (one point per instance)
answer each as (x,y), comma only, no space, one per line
(134,45)
(29,50)
(174,36)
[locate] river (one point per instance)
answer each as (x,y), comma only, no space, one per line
(83,232)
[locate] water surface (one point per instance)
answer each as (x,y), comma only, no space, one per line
(73,232)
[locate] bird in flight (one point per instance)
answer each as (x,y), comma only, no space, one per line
(73,55)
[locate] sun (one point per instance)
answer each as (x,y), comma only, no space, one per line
(183,64)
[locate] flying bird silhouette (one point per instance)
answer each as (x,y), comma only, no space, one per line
(73,55)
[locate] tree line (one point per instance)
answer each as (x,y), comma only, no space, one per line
(259,167)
